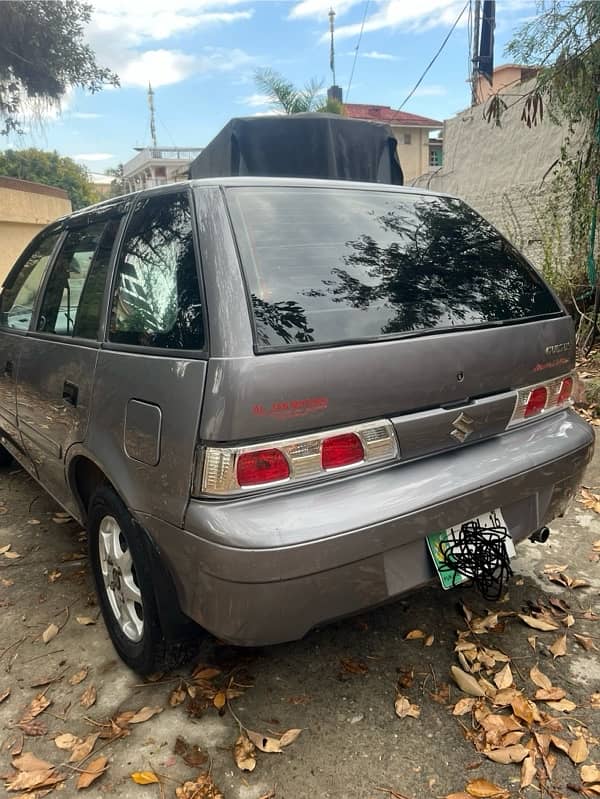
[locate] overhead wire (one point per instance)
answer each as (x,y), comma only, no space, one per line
(357,48)
(434,59)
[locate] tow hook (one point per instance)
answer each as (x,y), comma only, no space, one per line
(540,536)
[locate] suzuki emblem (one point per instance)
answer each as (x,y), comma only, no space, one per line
(463,426)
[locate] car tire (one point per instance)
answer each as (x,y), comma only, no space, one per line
(132,583)
(5,457)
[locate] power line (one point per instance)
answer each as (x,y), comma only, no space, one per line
(362,27)
(434,59)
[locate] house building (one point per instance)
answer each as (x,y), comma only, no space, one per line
(25,208)
(416,150)
(505,78)
(155,166)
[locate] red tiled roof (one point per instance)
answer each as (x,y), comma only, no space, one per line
(383,113)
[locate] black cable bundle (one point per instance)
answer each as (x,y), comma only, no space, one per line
(479,553)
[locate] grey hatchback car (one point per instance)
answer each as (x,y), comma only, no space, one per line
(263,397)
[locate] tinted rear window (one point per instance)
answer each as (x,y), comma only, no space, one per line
(328,266)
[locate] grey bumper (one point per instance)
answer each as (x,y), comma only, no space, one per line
(266,569)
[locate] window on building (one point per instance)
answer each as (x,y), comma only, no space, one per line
(157,296)
(407,138)
(435,156)
(21,290)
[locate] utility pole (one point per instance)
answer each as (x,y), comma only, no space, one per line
(152,119)
(475,52)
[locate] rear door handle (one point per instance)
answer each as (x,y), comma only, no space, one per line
(70,392)
(9,369)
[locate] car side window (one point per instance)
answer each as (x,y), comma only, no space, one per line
(72,301)
(157,295)
(20,292)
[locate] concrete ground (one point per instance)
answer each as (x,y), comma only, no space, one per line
(338,685)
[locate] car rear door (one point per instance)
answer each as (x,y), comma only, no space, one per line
(17,302)
(151,368)
(58,359)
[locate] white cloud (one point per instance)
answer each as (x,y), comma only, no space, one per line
(124,35)
(377,56)
(384,14)
(92,157)
(159,67)
(255,100)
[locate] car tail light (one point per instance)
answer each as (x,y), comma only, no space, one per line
(226,471)
(536,402)
(344,450)
(564,395)
(261,466)
(552,395)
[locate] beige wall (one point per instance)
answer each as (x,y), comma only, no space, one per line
(503,77)
(25,208)
(506,174)
(414,157)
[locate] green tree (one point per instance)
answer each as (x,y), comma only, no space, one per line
(117,185)
(42,54)
(51,169)
(284,96)
(563,42)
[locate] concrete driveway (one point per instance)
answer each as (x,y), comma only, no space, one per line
(338,685)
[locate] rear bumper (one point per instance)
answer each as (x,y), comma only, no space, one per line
(263,570)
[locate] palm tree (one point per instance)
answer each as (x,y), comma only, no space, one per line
(283,95)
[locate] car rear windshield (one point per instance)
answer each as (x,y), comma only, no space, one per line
(328,266)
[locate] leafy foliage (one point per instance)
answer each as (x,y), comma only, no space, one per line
(290,99)
(117,185)
(563,41)
(51,169)
(42,54)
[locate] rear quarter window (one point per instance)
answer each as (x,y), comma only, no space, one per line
(327,266)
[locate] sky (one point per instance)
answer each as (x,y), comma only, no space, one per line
(201,56)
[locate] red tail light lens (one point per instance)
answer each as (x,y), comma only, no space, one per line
(342,450)
(536,402)
(566,390)
(262,466)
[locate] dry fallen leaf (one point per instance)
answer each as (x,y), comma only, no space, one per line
(564,705)
(288,737)
(177,696)
(508,754)
(584,641)
(559,647)
(464,705)
(11,555)
(66,741)
(351,666)
(220,700)
(92,771)
(144,777)
(191,754)
(528,771)
(29,762)
(85,620)
(429,640)
(202,787)
(49,633)
(78,677)
(243,753)
(578,750)
(404,707)
(37,705)
(83,747)
(5,548)
(590,773)
(539,678)
(88,697)
(538,624)
(483,789)
(144,714)
(30,780)
(504,678)
(4,695)
(411,635)
(205,673)
(264,742)
(466,682)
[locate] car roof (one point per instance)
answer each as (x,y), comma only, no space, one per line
(230,182)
